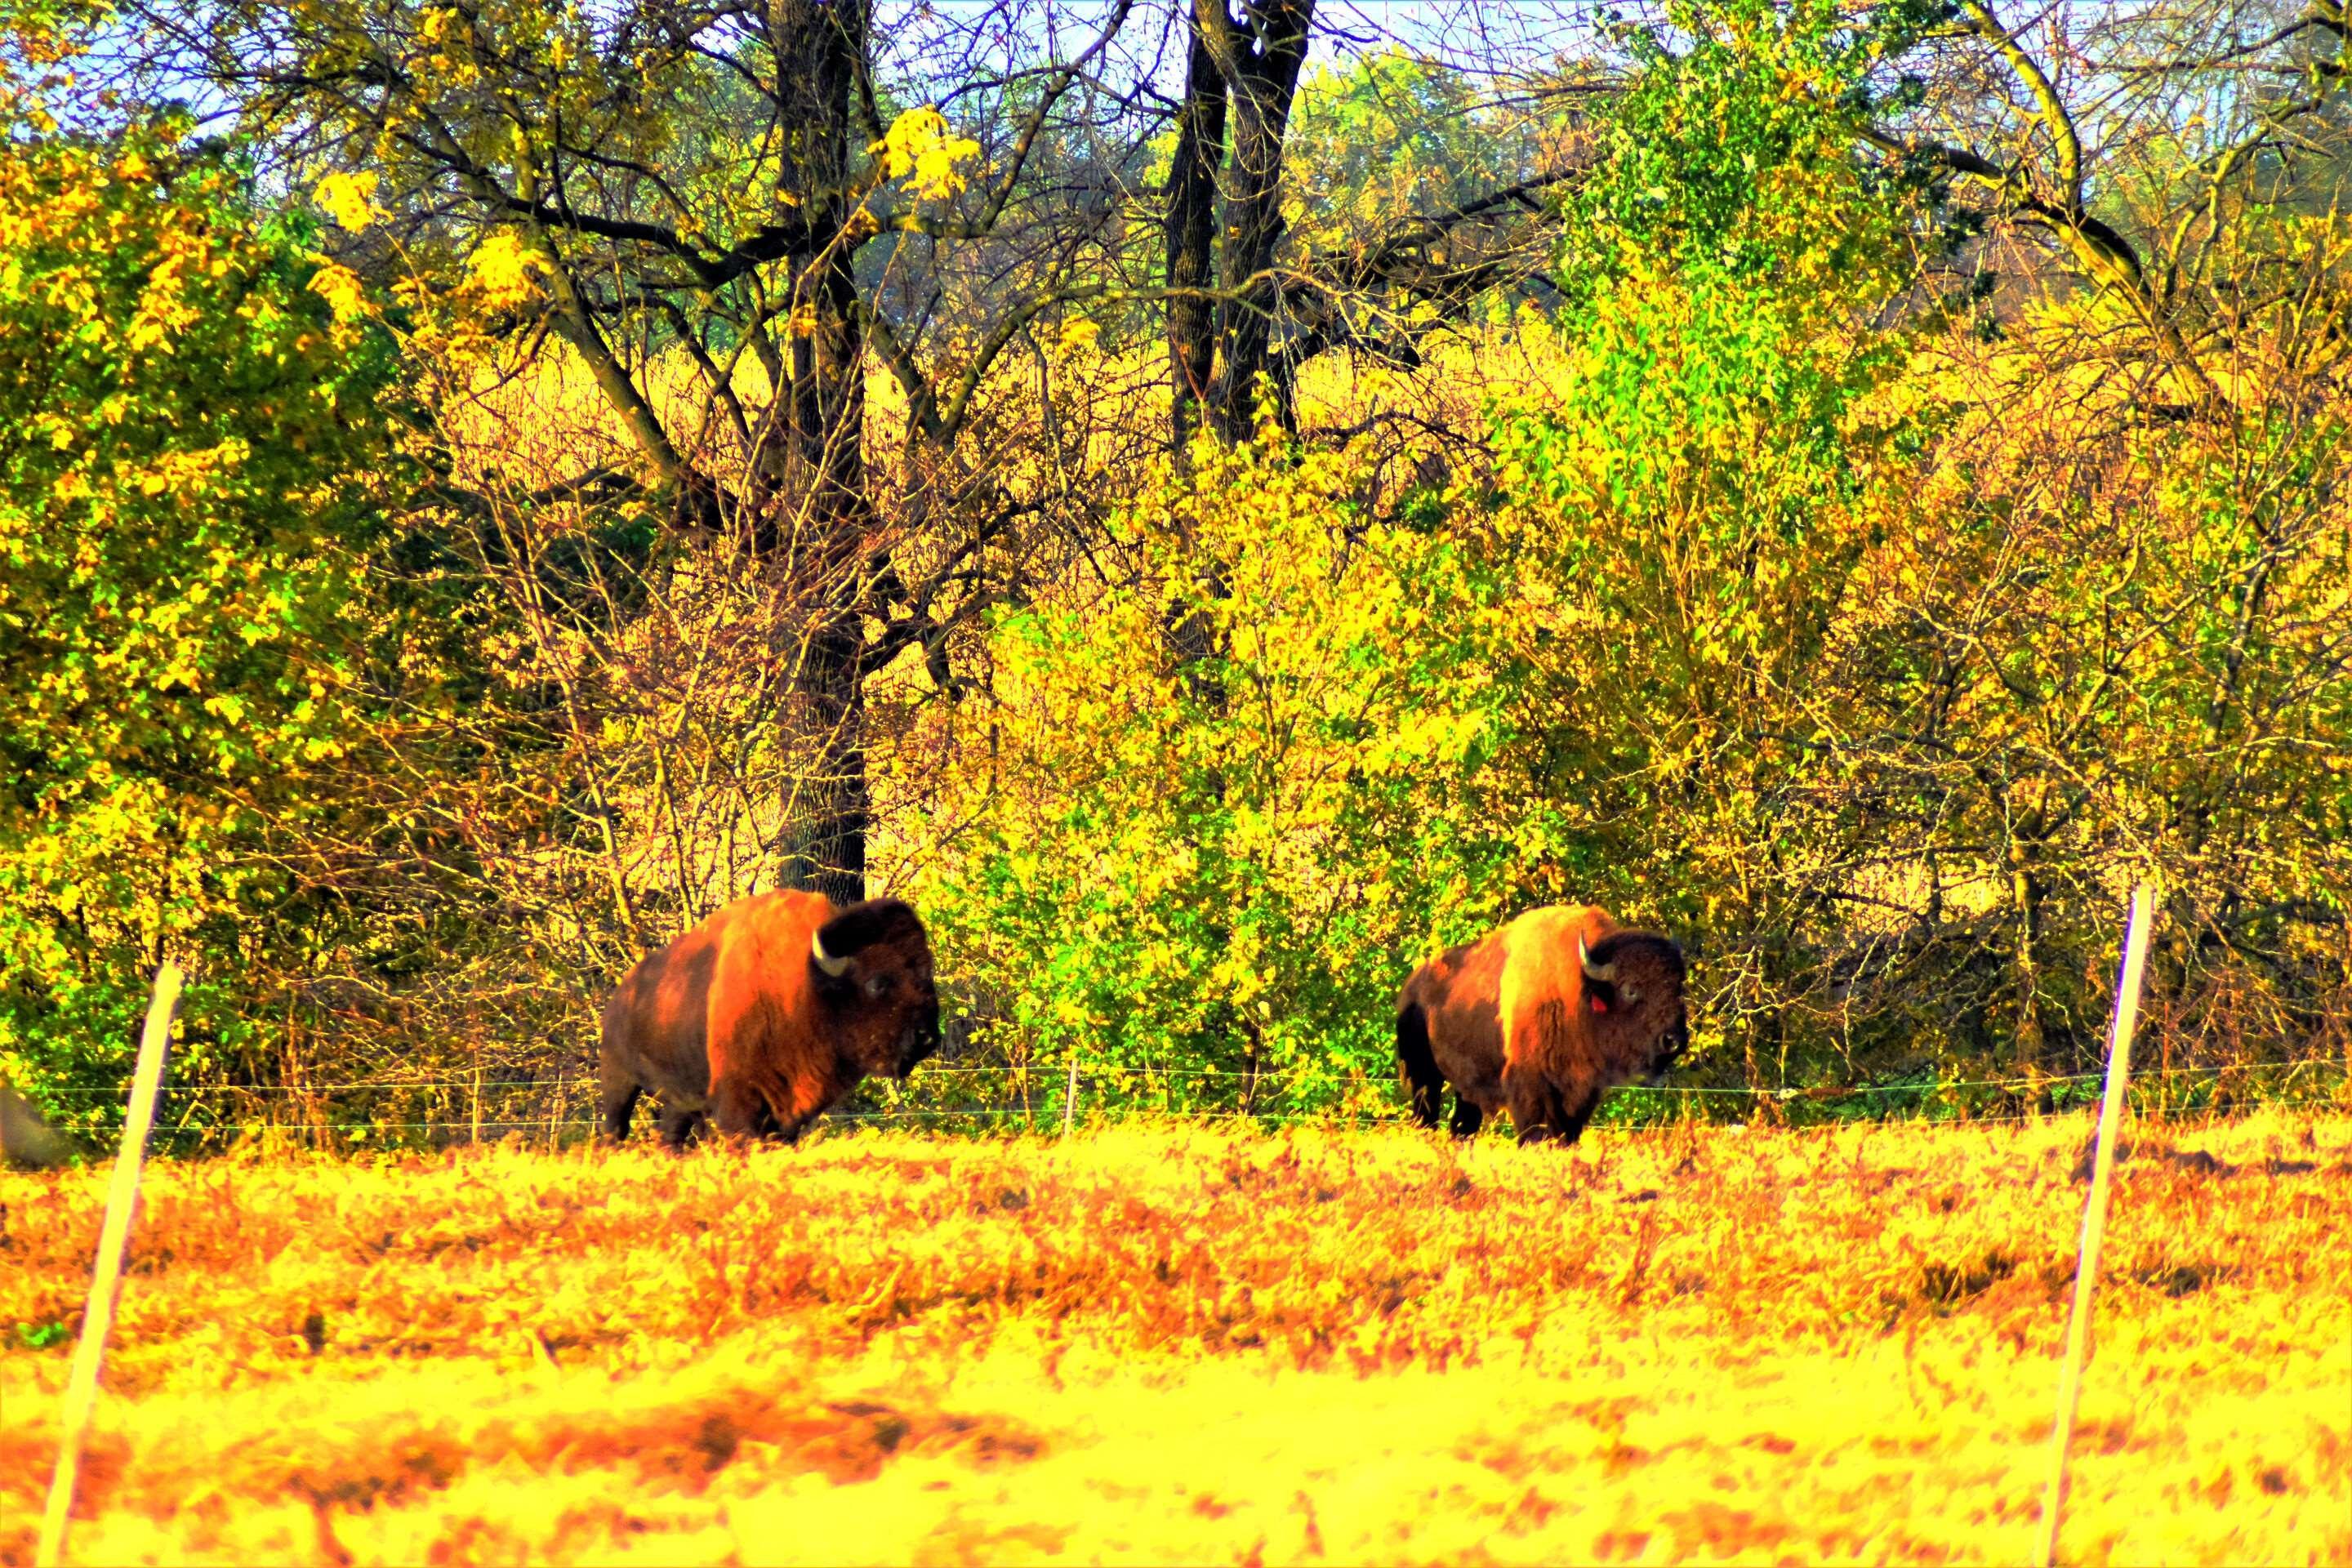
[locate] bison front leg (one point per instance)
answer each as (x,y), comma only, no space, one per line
(1533,1115)
(744,1113)
(1576,1114)
(1542,1114)
(1467,1118)
(738,1110)
(681,1126)
(790,1131)
(1557,1118)
(1529,1099)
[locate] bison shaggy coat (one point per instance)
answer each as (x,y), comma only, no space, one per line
(1540,1018)
(767,1014)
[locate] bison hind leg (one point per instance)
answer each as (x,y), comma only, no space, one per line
(617,1100)
(1417,1064)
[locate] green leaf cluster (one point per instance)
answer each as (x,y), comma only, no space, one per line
(1229,790)
(187,426)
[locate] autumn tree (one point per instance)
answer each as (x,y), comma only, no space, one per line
(706,205)
(2173,178)
(1253,297)
(190,477)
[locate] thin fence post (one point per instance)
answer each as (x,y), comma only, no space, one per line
(555,1109)
(1070,1096)
(476,1138)
(106,1279)
(2095,1210)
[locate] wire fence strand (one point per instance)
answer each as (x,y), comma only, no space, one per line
(1052,1074)
(434,1112)
(1043,1120)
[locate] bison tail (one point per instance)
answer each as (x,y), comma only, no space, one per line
(1417,1064)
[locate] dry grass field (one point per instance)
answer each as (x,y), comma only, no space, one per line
(1156,1345)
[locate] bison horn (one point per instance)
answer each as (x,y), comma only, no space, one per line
(1603,972)
(835,967)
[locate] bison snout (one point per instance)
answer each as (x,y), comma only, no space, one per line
(1669,1050)
(920,1044)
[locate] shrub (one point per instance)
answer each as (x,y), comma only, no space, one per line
(191,421)
(1228,798)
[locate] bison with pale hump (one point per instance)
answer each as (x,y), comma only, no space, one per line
(1541,1018)
(767,1014)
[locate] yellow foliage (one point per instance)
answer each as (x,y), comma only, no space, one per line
(501,270)
(348,199)
(340,288)
(1175,1344)
(920,148)
(167,307)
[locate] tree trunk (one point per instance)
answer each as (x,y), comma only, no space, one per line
(1220,350)
(2025,889)
(1260,61)
(817,527)
(1191,239)
(826,546)
(822,845)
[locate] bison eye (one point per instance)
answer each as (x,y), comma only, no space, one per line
(877,985)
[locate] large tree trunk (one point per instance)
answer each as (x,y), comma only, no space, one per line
(827,536)
(1260,60)
(823,848)
(817,526)
(1192,239)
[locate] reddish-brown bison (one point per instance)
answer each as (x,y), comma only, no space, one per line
(767,1013)
(1541,1017)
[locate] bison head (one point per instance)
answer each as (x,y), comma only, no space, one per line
(1634,984)
(872,965)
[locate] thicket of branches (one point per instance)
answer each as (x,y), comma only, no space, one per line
(1210,503)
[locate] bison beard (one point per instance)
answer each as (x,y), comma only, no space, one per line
(1541,1017)
(768,1014)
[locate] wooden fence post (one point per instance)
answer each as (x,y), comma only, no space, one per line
(2095,1210)
(1070,1096)
(106,1280)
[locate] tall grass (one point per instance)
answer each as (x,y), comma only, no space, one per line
(1183,1344)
